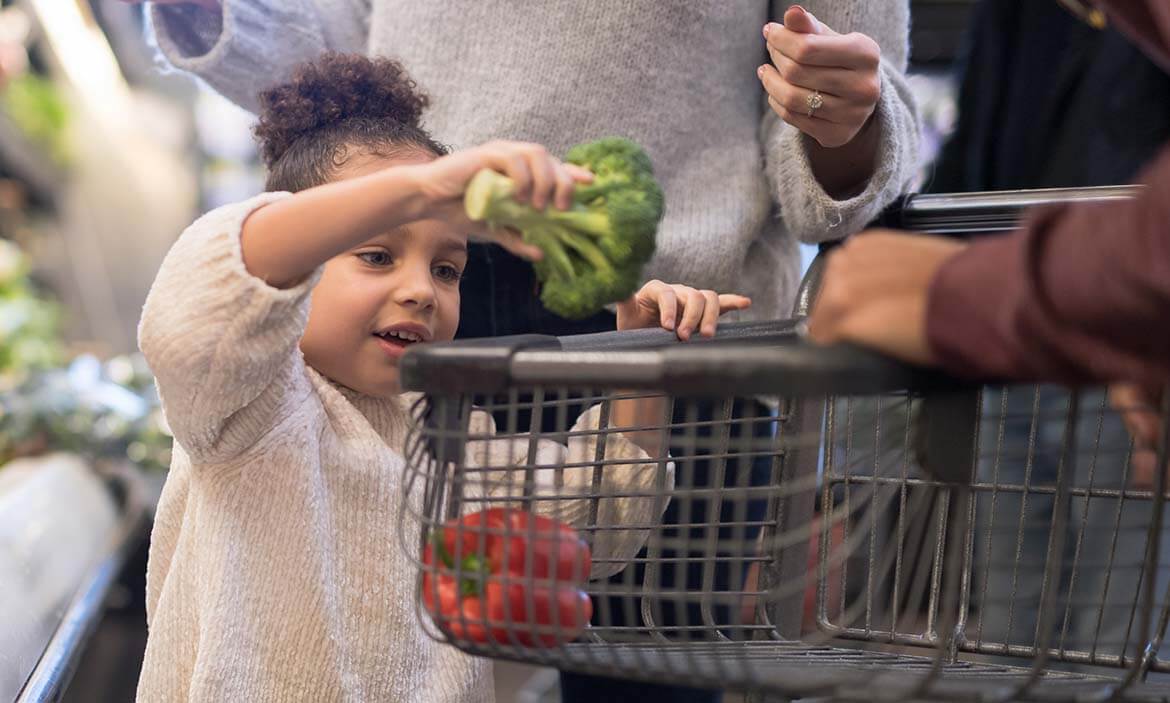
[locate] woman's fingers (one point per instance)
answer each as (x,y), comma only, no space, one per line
(795,98)
(838,82)
(828,134)
(847,112)
(855,51)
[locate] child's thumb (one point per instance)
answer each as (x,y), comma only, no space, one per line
(801,20)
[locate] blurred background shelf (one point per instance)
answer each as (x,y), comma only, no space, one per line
(936,36)
(26,162)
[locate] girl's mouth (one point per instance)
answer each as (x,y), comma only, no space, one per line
(395,342)
(395,338)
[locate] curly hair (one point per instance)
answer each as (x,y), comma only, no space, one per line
(335,104)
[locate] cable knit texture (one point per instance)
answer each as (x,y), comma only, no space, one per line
(678,77)
(275,570)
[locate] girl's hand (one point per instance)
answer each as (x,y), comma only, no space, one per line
(677,307)
(809,59)
(541,180)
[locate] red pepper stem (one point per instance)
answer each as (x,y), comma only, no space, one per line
(471,564)
(472,586)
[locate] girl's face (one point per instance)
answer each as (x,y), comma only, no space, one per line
(375,300)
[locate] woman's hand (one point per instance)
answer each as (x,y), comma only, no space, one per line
(541,180)
(810,60)
(679,308)
(875,291)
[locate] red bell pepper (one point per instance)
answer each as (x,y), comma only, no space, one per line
(519,580)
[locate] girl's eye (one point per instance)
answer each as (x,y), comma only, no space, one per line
(375,258)
(447,273)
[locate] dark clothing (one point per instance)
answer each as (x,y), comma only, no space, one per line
(1079,293)
(1046,101)
(499,297)
(579,688)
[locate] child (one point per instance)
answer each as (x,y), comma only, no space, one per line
(275,572)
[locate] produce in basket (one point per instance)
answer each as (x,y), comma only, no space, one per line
(594,251)
(518,582)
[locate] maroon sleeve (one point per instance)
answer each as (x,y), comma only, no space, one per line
(1079,294)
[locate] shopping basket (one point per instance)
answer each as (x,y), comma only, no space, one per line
(811,523)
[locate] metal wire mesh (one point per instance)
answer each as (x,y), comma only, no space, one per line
(962,545)
(1051,516)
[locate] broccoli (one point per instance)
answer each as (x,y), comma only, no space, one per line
(595,250)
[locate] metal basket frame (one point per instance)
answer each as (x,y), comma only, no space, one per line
(754,359)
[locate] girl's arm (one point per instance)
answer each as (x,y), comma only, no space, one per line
(636,475)
(223,345)
(286,241)
(223,321)
(683,310)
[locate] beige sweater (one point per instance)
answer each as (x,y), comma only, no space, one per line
(276,571)
(677,77)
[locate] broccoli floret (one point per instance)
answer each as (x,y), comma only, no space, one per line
(594,251)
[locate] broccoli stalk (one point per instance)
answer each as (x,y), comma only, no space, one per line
(595,250)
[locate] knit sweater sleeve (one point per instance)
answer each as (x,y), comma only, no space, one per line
(807,210)
(633,490)
(251,45)
(223,344)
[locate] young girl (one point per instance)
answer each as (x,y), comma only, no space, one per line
(275,572)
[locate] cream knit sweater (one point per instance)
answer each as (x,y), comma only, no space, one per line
(678,76)
(276,569)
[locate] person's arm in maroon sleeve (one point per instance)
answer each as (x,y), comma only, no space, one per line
(1079,293)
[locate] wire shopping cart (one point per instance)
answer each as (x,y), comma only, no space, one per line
(806,523)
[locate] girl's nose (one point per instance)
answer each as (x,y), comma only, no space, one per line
(415,288)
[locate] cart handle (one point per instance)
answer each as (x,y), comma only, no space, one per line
(786,365)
